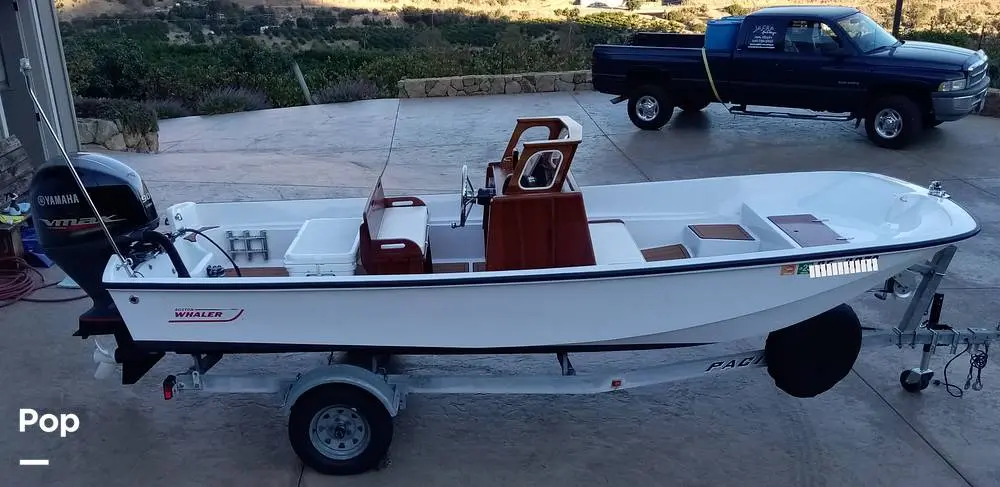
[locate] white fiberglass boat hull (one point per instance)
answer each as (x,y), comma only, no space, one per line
(730,295)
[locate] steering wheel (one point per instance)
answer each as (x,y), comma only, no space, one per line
(468,197)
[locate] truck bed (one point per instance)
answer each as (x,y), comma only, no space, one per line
(613,64)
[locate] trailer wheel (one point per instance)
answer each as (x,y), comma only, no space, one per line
(893,121)
(810,357)
(339,429)
(913,380)
(649,107)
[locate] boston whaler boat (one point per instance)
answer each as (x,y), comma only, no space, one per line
(530,263)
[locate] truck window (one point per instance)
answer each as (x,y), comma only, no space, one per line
(810,37)
(866,33)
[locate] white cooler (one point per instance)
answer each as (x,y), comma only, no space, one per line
(324,247)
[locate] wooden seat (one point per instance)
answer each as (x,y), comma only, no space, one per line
(394,235)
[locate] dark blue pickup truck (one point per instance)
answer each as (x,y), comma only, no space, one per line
(814,59)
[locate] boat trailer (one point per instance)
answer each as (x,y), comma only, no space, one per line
(340,414)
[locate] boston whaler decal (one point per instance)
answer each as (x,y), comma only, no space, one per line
(832,268)
(206,315)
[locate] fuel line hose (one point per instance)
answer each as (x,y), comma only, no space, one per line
(19,280)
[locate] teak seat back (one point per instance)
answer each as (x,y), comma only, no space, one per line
(534,227)
(394,234)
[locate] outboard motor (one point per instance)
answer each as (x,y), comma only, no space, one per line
(71,235)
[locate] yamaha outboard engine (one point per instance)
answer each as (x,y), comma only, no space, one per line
(71,235)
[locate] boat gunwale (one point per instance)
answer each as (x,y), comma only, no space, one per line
(482,278)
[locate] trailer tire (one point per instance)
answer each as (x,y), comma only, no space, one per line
(342,413)
(649,107)
(893,121)
(810,357)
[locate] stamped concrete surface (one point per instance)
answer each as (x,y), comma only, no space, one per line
(738,430)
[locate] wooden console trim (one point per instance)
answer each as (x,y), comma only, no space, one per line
(538,231)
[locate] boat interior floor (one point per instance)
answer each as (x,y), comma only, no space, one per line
(533,217)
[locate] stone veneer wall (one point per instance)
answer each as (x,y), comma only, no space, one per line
(110,135)
(496,84)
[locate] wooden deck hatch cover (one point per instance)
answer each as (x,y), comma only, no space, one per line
(807,230)
(667,252)
(720,231)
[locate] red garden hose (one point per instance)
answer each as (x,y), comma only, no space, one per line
(18,280)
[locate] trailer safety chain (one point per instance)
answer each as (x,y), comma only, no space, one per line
(977,361)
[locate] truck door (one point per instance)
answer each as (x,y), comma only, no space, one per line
(754,79)
(816,68)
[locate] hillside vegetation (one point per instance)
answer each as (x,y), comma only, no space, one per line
(218,56)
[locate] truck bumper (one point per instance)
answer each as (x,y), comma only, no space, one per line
(955,105)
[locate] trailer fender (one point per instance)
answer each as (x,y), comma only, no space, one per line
(352,375)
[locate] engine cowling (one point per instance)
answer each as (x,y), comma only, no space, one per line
(71,235)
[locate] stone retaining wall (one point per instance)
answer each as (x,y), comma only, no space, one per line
(496,84)
(110,135)
(506,84)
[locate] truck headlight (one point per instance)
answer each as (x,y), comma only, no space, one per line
(953,85)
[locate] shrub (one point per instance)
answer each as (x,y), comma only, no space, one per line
(737,9)
(168,108)
(231,100)
(348,89)
(130,115)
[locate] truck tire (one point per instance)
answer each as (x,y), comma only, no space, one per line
(694,106)
(893,121)
(649,107)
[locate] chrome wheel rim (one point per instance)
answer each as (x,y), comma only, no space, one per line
(339,432)
(888,123)
(647,108)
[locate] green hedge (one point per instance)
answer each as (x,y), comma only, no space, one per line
(107,59)
(131,115)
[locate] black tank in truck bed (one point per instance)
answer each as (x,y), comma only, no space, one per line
(813,58)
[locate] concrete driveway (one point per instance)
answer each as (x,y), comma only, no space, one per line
(739,430)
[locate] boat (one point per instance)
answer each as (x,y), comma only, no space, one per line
(530,262)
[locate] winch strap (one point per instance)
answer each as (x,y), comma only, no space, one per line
(708,71)
(711,80)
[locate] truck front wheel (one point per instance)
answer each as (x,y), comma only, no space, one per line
(649,107)
(893,121)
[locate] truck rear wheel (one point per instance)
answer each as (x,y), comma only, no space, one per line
(649,107)
(893,121)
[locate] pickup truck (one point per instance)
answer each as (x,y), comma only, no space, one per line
(813,59)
